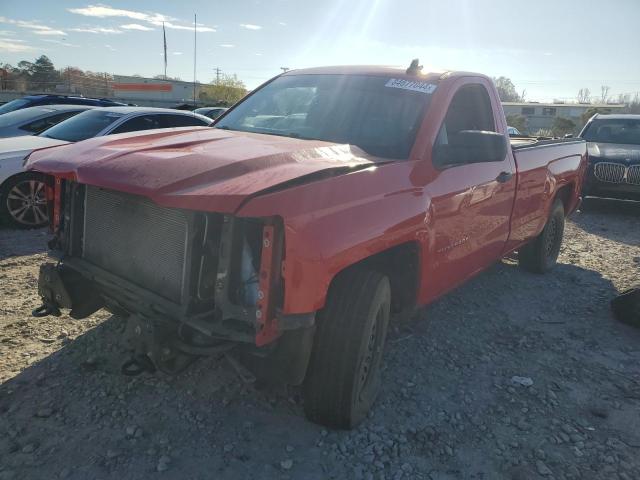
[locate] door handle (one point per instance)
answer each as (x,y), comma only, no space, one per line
(504,177)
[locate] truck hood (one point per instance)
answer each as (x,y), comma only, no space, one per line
(26,144)
(614,151)
(199,169)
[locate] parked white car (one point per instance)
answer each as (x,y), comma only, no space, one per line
(22,194)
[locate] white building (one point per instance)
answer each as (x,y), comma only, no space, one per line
(541,115)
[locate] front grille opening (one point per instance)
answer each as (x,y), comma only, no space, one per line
(137,240)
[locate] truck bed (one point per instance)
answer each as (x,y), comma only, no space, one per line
(518,143)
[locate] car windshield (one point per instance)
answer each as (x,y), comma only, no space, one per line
(381,115)
(13,105)
(18,117)
(85,125)
(625,131)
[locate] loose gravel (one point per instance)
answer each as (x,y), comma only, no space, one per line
(512,376)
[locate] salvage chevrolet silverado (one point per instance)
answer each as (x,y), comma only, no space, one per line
(320,204)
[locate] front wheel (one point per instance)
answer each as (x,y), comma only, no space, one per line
(343,377)
(541,254)
(23,201)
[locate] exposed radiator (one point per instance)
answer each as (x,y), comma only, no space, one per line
(136,240)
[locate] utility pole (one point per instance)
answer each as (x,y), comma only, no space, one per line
(284,69)
(218,73)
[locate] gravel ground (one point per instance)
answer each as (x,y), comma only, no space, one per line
(452,405)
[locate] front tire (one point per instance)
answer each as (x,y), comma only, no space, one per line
(541,254)
(343,377)
(23,201)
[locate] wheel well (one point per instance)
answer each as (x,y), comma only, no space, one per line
(564,194)
(401,265)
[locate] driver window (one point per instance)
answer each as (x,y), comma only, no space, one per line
(470,110)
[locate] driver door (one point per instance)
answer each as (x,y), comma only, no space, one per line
(471,201)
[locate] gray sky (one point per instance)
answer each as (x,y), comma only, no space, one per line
(548,48)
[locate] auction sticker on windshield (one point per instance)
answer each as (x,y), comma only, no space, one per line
(409,85)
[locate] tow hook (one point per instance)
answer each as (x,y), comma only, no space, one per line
(46,309)
(138,365)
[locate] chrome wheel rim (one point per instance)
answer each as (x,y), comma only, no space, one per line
(27,203)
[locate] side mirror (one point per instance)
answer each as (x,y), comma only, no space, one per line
(471,146)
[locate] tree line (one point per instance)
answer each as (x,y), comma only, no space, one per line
(42,76)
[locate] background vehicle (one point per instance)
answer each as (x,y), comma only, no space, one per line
(319,204)
(513,131)
(614,156)
(50,99)
(22,200)
(34,120)
(211,112)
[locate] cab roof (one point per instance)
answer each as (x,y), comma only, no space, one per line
(382,71)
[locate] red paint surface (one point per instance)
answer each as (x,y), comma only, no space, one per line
(461,219)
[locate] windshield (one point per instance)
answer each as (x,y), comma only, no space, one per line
(625,131)
(13,105)
(85,125)
(378,114)
(20,116)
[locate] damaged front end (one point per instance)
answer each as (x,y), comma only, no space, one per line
(190,283)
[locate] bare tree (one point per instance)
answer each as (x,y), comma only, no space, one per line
(604,93)
(584,95)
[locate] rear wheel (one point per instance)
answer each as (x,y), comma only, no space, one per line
(541,254)
(343,378)
(23,201)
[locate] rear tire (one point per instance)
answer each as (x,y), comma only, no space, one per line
(23,201)
(541,254)
(343,377)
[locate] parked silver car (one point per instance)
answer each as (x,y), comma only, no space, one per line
(34,120)
(22,194)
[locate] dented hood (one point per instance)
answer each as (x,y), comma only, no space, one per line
(197,168)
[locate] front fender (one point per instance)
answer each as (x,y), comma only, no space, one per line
(337,222)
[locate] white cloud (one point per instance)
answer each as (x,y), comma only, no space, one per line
(226,45)
(282,23)
(96,30)
(250,26)
(105,11)
(49,32)
(35,27)
(153,18)
(201,28)
(176,53)
(109,47)
(59,42)
(258,54)
(10,45)
(136,26)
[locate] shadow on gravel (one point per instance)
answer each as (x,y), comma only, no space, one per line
(597,212)
(74,412)
(16,242)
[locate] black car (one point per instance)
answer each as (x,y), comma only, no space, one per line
(614,156)
(211,112)
(51,99)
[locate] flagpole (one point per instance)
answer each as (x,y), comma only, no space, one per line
(194,58)
(164,39)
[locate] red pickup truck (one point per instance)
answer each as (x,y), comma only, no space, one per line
(288,234)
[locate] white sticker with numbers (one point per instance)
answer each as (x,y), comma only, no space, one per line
(411,85)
